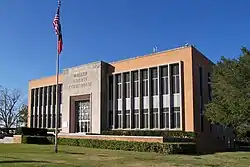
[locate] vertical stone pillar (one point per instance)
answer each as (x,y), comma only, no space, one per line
(159,96)
(114,102)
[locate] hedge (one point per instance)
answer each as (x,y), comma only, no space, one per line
(38,139)
(178,134)
(31,131)
(165,148)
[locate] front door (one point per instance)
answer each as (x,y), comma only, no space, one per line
(83,116)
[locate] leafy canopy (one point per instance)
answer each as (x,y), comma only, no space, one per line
(231,92)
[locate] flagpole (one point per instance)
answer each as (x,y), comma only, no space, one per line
(57,99)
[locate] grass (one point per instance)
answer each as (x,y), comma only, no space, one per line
(40,155)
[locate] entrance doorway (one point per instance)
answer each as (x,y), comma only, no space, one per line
(82,109)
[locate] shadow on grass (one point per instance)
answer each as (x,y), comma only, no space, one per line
(22,161)
(239,149)
(73,153)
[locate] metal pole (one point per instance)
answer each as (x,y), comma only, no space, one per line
(57,101)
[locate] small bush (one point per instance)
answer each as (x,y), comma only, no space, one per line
(31,131)
(38,139)
(166,148)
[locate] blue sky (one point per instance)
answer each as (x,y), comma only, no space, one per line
(111,30)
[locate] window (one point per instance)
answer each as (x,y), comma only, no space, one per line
(49,120)
(154,85)
(110,119)
(60,121)
(110,87)
(165,118)
(155,118)
(60,94)
(119,120)
(145,82)
(119,86)
(164,80)
(54,95)
(40,120)
(127,118)
(145,118)
(36,121)
(50,95)
(136,118)
(135,84)
(31,121)
(53,119)
(40,97)
(36,97)
(175,78)
(127,85)
(175,117)
(45,95)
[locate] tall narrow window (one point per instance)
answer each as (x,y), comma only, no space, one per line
(154,85)
(175,117)
(164,80)
(60,94)
(127,118)
(110,87)
(175,78)
(110,119)
(136,118)
(119,115)
(155,118)
(127,85)
(119,86)
(165,118)
(145,82)
(145,118)
(135,84)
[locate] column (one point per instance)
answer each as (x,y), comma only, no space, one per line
(114,102)
(140,96)
(131,98)
(181,105)
(159,96)
(108,101)
(52,106)
(149,97)
(31,94)
(123,101)
(35,110)
(170,94)
(47,107)
(43,108)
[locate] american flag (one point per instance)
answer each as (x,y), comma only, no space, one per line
(57,27)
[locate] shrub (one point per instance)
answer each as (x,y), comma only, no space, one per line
(178,134)
(31,131)
(38,139)
(166,148)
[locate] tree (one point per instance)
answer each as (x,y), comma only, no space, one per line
(231,92)
(23,115)
(10,102)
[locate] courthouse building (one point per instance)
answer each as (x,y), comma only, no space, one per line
(160,91)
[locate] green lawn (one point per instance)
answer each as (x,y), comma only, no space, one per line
(39,155)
